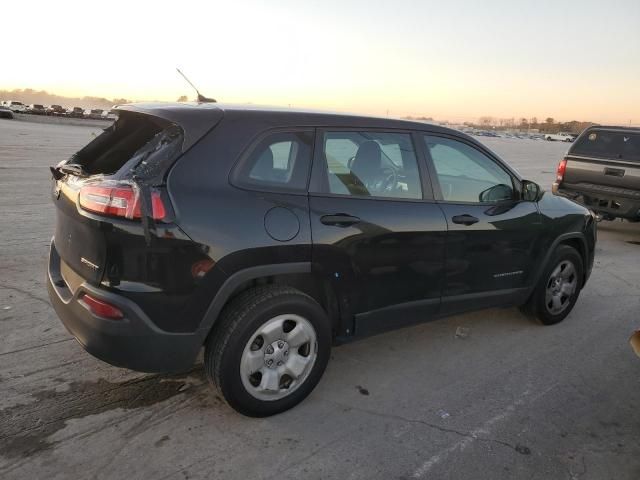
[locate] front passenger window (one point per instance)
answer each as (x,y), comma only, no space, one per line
(465,174)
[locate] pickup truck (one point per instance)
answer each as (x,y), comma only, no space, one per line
(559,137)
(601,170)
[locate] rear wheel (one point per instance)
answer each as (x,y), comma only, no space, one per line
(269,350)
(558,287)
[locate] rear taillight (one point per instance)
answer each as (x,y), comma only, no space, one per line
(562,166)
(101,308)
(119,201)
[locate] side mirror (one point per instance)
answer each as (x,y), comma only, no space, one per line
(530,191)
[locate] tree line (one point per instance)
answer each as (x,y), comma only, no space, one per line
(549,125)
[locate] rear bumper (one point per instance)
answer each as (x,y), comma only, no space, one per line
(609,200)
(133,342)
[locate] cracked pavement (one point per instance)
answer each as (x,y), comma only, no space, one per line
(512,399)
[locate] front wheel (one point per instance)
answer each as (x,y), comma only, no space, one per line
(269,350)
(558,287)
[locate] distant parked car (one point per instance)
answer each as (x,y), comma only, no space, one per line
(36,109)
(95,113)
(14,106)
(109,115)
(56,110)
(76,112)
(559,137)
(5,112)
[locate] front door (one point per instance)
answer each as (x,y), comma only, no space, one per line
(493,234)
(377,233)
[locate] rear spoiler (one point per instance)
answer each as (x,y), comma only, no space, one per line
(195,119)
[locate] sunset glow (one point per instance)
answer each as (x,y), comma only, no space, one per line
(453,60)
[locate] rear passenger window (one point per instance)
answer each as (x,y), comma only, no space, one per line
(280,160)
(378,164)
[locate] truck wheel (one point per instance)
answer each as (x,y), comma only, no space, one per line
(558,287)
(268,350)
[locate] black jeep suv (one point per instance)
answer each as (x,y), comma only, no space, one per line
(268,235)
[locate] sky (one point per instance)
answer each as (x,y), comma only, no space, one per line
(448,59)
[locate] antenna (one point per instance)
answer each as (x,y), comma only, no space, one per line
(201,98)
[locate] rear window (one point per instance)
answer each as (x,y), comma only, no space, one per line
(279,161)
(613,144)
(134,141)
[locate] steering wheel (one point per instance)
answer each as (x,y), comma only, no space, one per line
(388,181)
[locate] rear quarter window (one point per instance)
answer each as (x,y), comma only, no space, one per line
(279,161)
(613,144)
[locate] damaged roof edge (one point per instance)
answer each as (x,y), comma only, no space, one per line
(194,120)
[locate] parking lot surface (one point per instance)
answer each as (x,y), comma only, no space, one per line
(504,398)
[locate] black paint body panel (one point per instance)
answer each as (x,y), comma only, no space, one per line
(402,262)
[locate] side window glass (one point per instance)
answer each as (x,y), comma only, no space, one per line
(378,164)
(281,160)
(465,174)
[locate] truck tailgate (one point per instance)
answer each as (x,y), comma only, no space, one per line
(619,177)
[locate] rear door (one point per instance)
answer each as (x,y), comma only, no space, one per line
(377,233)
(493,235)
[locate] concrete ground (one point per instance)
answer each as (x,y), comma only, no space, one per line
(510,399)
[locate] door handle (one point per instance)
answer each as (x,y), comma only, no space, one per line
(465,219)
(615,172)
(339,220)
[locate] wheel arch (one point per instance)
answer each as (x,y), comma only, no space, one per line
(296,275)
(576,240)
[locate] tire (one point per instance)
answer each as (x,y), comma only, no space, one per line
(249,349)
(558,287)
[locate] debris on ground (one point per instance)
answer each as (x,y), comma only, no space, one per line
(443,414)
(362,390)
(462,332)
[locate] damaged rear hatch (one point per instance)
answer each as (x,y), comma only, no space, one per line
(114,188)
